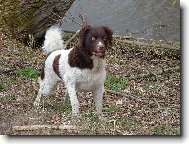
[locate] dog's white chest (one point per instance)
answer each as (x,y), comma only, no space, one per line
(89,81)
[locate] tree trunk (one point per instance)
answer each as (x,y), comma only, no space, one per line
(27,20)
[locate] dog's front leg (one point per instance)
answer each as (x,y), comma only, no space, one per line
(73,98)
(66,97)
(98,98)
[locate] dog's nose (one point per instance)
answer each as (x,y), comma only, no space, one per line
(101,48)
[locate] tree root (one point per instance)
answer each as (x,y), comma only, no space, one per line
(36,127)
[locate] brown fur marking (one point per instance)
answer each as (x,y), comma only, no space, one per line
(43,72)
(43,69)
(80,55)
(56,65)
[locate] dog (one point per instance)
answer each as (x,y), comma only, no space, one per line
(81,68)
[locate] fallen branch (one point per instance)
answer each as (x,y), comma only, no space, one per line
(69,40)
(36,127)
(160,72)
(1,43)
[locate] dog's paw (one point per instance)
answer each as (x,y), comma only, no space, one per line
(75,112)
(100,116)
(36,104)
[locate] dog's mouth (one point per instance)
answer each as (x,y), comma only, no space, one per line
(99,54)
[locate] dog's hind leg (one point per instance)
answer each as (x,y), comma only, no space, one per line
(46,88)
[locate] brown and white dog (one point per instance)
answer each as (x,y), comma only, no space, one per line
(81,68)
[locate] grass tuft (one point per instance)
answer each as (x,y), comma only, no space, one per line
(2,86)
(112,109)
(115,83)
(65,108)
(29,72)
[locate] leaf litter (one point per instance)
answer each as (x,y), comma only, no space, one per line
(146,106)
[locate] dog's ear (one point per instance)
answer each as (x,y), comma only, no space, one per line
(109,33)
(82,33)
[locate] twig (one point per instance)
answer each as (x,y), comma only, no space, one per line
(83,17)
(69,40)
(36,127)
(163,38)
(60,17)
(72,19)
(1,43)
(155,100)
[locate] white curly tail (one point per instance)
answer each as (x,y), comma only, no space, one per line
(53,40)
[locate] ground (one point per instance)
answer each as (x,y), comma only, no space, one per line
(142,93)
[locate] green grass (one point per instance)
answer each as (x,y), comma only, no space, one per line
(112,109)
(7,98)
(10,80)
(115,83)
(160,130)
(65,108)
(90,117)
(29,72)
(2,86)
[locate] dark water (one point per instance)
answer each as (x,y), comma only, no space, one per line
(150,19)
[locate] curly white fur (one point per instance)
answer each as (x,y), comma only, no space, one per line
(53,40)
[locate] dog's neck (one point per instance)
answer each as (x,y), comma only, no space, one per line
(98,63)
(78,58)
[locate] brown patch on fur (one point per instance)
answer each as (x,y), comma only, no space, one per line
(110,34)
(56,65)
(43,71)
(80,55)
(79,58)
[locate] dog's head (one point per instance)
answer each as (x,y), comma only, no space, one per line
(95,39)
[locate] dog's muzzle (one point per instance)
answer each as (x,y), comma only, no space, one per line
(100,50)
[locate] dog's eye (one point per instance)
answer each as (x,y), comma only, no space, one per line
(93,38)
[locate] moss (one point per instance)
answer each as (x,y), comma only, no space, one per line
(16,18)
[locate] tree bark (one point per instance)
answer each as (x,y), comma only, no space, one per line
(27,21)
